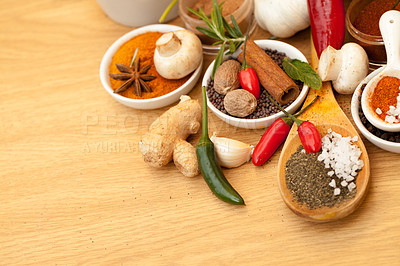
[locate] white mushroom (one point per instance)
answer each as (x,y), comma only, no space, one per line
(177,54)
(346,67)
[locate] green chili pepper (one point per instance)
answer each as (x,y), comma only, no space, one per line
(209,166)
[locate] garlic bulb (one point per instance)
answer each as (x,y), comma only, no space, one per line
(231,153)
(282,18)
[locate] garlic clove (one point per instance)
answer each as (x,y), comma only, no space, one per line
(231,153)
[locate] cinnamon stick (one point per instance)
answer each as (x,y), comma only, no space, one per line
(271,76)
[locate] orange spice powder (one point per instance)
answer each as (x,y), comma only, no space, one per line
(385,95)
(146,44)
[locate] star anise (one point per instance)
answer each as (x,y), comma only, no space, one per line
(133,76)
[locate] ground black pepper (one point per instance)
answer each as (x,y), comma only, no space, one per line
(308,181)
(389,136)
(264,105)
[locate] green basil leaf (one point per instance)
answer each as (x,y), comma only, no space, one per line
(300,70)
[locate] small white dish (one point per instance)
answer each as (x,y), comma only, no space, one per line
(389,24)
(355,108)
(151,103)
(136,13)
(292,53)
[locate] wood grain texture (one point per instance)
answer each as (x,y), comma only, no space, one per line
(75,190)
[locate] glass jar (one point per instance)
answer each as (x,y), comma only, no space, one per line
(373,45)
(242,16)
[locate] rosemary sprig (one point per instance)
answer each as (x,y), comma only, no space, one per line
(230,37)
(398,1)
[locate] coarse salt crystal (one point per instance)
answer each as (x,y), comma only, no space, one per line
(342,156)
(393,114)
(378,111)
(351,186)
(332,183)
(336,191)
(391,119)
(303,151)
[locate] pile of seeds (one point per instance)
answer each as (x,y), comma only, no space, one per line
(264,105)
(308,181)
(389,136)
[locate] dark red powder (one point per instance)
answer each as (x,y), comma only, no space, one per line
(367,21)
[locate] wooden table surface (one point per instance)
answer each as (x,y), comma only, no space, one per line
(75,190)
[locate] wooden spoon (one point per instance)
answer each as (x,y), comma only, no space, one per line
(325,113)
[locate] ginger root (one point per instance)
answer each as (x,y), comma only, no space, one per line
(167,135)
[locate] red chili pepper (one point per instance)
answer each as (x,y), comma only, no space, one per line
(310,137)
(249,81)
(273,137)
(248,76)
(327,19)
(308,133)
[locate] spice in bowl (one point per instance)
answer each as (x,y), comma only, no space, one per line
(265,107)
(326,178)
(241,10)
(362,22)
(385,99)
(385,135)
(230,6)
(146,44)
(367,21)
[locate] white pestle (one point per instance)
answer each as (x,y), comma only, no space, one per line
(389,25)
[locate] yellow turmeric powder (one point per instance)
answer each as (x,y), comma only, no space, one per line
(146,44)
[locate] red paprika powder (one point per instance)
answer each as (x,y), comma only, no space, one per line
(385,95)
(367,21)
(364,18)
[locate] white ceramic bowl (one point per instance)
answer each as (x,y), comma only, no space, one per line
(152,103)
(137,13)
(355,107)
(292,53)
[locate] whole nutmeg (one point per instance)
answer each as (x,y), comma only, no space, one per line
(240,103)
(226,77)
